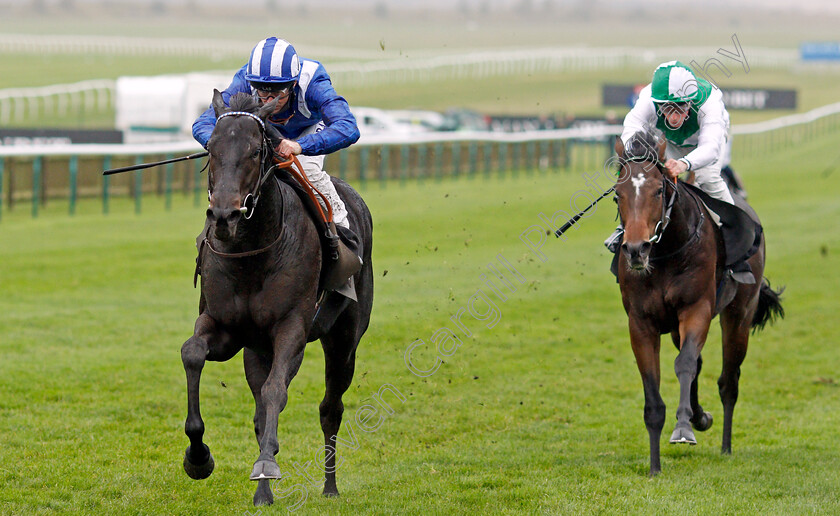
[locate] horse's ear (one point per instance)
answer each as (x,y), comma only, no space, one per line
(660,146)
(619,146)
(267,109)
(219,103)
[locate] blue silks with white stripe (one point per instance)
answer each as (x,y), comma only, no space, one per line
(313,100)
(273,60)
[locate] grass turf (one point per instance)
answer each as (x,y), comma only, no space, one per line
(540,413)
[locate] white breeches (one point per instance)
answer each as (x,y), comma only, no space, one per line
(313,167)
(706,178)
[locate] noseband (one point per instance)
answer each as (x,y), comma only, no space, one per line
(249,205)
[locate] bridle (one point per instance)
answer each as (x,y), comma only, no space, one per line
(668,205)
(249,205)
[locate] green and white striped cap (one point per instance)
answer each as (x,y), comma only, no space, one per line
(674,82)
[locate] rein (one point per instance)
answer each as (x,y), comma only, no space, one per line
(250,202)
(693,236)
(665,219)
(297,173)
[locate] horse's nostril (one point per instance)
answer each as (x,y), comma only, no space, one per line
(222,215)
(634,250)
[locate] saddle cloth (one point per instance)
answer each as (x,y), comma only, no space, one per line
(739,225)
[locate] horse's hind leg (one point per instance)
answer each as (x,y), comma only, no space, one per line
(340,364)
(735,326)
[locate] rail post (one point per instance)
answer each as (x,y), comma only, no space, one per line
(37,165)
(73,166)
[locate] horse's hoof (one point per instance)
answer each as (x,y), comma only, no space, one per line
(265,469)
(683,435)
(704,423)
(263,496)
(199,471)
(330,492)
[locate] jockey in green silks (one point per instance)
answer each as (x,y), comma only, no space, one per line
(689,113)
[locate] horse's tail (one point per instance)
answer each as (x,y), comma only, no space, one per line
(769,306)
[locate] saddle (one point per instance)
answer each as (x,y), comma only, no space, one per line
(739,225)
(741,231)
(341,247)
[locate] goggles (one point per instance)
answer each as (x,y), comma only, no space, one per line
(268,91)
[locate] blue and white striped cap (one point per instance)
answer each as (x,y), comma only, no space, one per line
(273,60)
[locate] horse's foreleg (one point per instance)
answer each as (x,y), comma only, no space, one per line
(198,462)
(645,342)
(256,372)
(288,354)
(694,326)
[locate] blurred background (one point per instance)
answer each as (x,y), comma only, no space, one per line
(139,72)
(523,64)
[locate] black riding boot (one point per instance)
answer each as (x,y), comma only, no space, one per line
(344,261)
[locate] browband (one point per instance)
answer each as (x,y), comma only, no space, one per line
(244,113)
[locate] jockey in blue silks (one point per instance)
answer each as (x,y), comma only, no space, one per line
(310,116)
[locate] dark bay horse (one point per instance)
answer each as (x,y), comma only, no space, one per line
(670,265)
(260,266)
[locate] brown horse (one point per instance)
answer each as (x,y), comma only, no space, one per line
(670,266)
(260,268)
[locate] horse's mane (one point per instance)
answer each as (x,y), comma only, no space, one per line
(642,145)
(244,102)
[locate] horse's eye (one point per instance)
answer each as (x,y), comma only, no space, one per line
(660,191)
(256,154)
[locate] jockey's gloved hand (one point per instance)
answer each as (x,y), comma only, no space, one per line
(288,148)
(675,167)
